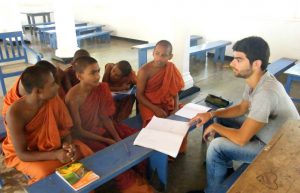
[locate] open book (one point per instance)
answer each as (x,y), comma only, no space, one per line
(125,92)
(164,135)
(190,110)
(76,175)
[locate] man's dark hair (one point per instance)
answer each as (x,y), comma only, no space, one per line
(83,62)
(124,67)
(165,43)
(79,53)
(255,48)
(34,77)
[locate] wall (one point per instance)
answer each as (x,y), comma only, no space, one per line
(276,21)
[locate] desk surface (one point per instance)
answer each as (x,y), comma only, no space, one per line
(277,168)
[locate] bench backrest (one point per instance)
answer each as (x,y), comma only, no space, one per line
(12,49)
(209,46)
(280,65)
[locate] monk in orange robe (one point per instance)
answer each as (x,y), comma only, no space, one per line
(17,91)
(121,77)
(159,82)
(38,128)
(91,105)
(69,80)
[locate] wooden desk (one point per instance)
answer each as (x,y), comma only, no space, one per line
(277,168)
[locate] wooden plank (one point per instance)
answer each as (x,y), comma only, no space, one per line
(277,168)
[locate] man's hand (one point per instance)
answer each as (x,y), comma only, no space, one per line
(200,119)
(209,133)
(159,112)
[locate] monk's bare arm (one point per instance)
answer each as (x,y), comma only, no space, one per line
(108,124)
(16,123)
(176,102)
(73,106)
(143,77)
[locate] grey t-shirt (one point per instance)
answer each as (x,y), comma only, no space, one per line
(270,104)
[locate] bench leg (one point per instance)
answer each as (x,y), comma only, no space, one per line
(288,85)
(2,83)
(142,57)
(222,54)
(217,55)
(159,162)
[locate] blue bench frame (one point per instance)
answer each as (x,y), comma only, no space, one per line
(103,35)
(42,28)
(51,34)
(143,49)
(280,65)
(13,49)
(293,74)
(218,46)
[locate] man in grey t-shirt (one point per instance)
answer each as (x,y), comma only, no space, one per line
(265,104)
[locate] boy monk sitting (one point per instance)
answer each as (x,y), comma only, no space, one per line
(159,82)
(38,128)
(17,91)
(121,77)
(91,106)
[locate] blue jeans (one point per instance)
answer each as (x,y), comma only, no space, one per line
(220,154)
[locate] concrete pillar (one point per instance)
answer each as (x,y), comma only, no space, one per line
(65,29)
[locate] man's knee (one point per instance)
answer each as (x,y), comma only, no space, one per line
(215,147)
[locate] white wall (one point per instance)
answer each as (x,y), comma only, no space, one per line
(276,21)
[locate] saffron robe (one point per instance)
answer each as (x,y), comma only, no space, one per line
(43,133)
(124,105)
(100,101)
(160,90)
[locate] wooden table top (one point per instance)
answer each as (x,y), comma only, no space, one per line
(277,168)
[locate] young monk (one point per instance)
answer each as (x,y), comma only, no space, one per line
(38,128)
(121,77)
(18,91)
(69,80)
(159,82)
(91,106)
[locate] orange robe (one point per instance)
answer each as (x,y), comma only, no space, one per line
(43,133)
(160,90)
(124,105)
(100,101)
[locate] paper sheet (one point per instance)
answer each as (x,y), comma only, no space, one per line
(190,110)
(164,135)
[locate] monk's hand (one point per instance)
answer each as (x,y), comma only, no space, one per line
(110,141)
(62,156)
(75,154)
(200,119)
(159,112)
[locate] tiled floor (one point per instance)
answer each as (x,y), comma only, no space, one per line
(188,171)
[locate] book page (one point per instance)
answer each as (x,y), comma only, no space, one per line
(126,92)
(167,143)
(164,135)
(190,110)
(168,125)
